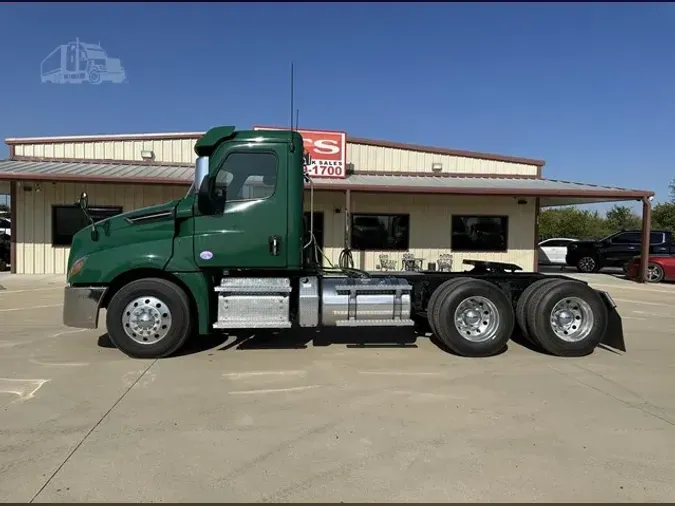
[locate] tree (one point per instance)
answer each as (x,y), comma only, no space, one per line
(620,218)
(571,222)
(663,216)
(4,208)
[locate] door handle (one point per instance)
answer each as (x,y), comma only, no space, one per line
(275,243)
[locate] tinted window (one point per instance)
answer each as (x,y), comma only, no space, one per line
(627,238)
(555,243)
(656,238)
(380,232)
(5,223)
(68,220)
(248,176)
(479,233)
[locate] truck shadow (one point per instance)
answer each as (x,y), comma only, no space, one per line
(297,339)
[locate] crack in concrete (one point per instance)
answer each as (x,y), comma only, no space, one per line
(105,415)
(648,407)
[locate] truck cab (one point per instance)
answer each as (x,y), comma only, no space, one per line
(243,211)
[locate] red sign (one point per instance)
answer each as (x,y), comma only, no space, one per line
(325,152)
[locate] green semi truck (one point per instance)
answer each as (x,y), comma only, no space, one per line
(233,254)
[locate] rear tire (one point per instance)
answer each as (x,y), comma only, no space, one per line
(523,306)
(655,273)
(474,318)
(149,318)
(438,293)
(568,319)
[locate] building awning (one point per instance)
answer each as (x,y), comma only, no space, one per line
(551,192)
(92,172)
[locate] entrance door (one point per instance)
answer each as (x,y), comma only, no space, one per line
(252,231)
(311,254)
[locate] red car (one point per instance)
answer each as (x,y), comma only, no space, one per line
(660,268)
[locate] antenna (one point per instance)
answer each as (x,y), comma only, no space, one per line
(292,81)
(297,118)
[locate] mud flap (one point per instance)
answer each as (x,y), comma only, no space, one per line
(614,335)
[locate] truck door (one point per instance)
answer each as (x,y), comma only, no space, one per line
(623,247)
(252,231)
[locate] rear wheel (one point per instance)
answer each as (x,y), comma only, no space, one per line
(654,273)
(473,318)
(523,306)
(149,318)
(567,319)
(439,293)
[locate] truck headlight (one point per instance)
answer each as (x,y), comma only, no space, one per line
(77,266)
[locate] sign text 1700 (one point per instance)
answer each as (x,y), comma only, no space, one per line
(324,170)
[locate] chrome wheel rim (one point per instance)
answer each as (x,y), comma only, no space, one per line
(146,320)
(587,264)
(653,273)
(477,319)
(572,319)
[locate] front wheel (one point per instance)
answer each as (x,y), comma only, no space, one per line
(149,318)
(588,264)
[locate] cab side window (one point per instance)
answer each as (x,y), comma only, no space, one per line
(627,238)
(248,176)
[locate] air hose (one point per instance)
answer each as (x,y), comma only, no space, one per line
(346,261)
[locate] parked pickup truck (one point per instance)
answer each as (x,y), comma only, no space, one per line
(616,250)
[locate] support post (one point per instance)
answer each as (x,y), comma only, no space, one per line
(14,219)
(348,219)
(537,212)
(646,231)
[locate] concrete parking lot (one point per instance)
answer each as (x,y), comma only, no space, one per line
(282,420)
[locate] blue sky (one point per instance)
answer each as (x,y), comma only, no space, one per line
(590,88)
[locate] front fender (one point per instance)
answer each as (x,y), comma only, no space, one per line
(102,266)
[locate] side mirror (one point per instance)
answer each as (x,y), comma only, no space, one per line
(210,200)
(84,205)
(84,201)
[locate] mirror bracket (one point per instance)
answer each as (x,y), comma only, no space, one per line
(84,205)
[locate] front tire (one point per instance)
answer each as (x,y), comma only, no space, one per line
(474,318)
(149,318)
(588,264)
(568,319)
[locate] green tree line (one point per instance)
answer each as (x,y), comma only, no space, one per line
(582,224)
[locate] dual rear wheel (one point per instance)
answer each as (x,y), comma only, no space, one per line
(473,317)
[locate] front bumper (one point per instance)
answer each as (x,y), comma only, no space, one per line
(81,306)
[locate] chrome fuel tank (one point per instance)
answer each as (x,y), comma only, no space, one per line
(359,302)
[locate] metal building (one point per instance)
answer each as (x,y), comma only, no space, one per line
(431,203)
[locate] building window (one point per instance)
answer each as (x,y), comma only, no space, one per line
(67,220)
(380,232)
(480,233)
